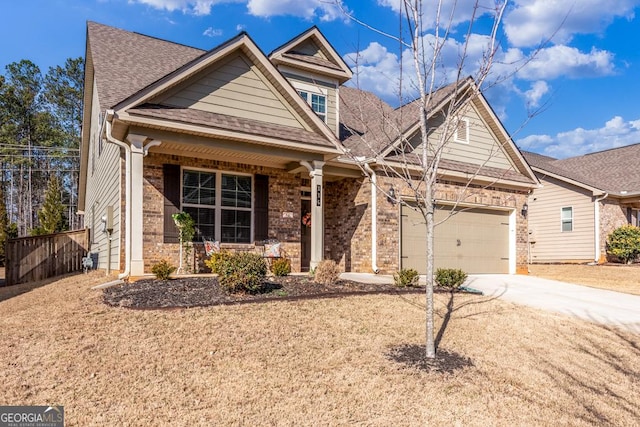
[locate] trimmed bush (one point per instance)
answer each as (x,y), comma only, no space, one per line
(450,278)
(163,270)
(624,243)
(406,277)
(241,272)
(281,267)
(327,272)
(216,260)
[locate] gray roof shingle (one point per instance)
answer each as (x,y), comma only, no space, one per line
(126,62)
(613,170)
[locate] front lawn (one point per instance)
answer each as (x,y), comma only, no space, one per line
(311,362)
(613,277)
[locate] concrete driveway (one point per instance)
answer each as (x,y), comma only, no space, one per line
(596,305)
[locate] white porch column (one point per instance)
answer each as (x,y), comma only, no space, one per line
(317,211)
(137,203)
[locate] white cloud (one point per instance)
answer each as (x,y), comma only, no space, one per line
(615,133)
(531,22)
(537,91)
(566,61)
(240,27)
(212,32)
(452,12)
(196,7)
(324,10)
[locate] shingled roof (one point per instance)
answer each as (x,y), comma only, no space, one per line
(125,62)
(614,171)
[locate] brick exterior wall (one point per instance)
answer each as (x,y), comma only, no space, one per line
(284,196)
(612,216)
(348,220)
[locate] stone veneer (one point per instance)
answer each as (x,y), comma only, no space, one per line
(348,220)
(284,196)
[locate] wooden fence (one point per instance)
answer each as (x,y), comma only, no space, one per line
(34,258)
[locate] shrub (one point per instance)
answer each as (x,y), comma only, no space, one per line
(163,270)
(450,277)
(241,272)
(327,272)
(406,277)
(215,261)
(281,266)
(624,243)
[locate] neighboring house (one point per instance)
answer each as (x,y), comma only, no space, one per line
(249,143)
(581,201)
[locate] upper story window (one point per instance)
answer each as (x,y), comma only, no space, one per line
(317,101)
(566,219)
(461,133)
(220,204)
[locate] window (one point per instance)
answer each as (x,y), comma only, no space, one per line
(318,103)
(219,203)
(566,218)
(461,133)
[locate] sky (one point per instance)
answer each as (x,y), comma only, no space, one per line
(565,78)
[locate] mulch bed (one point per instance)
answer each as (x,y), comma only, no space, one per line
(205,291)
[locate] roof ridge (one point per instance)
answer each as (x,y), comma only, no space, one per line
(145,35)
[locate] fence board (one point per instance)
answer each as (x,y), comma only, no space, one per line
(40,257)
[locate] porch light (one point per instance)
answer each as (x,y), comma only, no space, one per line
(525,210)
(391,196)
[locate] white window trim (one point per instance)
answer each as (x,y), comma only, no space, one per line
(456,137)
(218,206)
(562,220)
(314,90)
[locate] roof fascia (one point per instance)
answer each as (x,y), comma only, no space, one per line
(161,124)
(447,173)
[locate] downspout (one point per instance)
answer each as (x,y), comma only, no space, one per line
(374,218)
(127,188)
(596,220)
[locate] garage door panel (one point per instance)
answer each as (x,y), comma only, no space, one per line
(474,240)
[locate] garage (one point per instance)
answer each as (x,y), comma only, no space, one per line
(473,240)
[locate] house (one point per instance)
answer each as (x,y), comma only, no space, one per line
(582,199)
(249,144)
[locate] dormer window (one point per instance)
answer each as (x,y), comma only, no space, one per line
(461,133)
(318,103)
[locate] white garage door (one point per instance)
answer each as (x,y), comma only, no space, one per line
(474,240)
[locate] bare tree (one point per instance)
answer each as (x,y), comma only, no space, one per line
(408,143)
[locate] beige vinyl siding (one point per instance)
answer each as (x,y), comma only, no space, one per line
(103,189)
(332,96)
(548,242)
(235,87)
(483,147)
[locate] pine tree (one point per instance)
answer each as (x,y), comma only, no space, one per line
(51,215)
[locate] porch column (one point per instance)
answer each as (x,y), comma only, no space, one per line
(137,203)
(317,213)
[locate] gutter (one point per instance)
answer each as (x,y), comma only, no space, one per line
(374,218)
(596,220)
(108,119)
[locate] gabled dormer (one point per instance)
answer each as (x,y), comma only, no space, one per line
(316,71)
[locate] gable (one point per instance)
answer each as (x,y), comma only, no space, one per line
(234,87)
(481,147)
(308,48)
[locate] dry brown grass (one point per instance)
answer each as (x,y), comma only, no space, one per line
(621,278)
(317,362)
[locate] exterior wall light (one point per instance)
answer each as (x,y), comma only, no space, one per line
(525,210)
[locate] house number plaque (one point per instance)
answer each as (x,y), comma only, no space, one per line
(318,193)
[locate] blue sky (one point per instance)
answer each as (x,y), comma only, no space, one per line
(584,83)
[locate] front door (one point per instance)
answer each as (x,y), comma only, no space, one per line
(305,235)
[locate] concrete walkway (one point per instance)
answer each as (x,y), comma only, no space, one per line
(596,305)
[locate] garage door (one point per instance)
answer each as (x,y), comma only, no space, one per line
(474,240)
